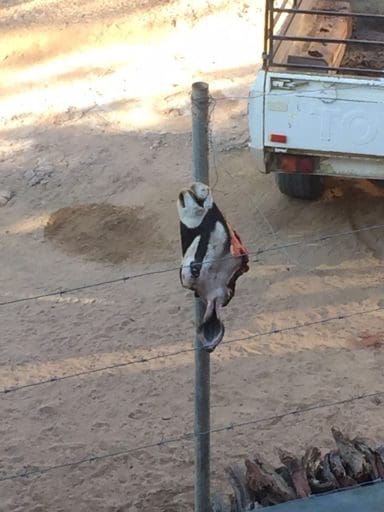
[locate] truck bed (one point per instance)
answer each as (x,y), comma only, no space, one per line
(330,55)
(289,52)
(358,56)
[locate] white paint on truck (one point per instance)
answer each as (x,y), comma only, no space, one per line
(333,117)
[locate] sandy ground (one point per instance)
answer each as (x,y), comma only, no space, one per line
(95,144)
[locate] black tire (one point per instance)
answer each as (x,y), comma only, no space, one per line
(300,186)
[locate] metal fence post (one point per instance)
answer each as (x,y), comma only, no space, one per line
(200,171)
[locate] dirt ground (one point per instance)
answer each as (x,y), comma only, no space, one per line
(95,145)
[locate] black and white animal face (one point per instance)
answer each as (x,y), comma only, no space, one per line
(193,204)
(213,258)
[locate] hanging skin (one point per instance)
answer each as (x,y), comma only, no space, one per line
(213,258)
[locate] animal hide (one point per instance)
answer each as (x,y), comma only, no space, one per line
(214,257)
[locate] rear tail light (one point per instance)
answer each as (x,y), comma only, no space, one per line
(289,163)
(280,139)
(294,163)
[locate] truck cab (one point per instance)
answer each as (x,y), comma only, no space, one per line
(316,107)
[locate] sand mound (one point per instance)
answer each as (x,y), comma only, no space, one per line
(105,233)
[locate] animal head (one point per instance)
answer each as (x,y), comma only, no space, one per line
(193,204)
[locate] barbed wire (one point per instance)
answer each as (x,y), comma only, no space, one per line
(334,85)
(63,291)
(188,436)
(142,360)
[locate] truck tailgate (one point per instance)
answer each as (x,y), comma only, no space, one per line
(324,114)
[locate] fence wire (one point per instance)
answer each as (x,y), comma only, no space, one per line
(59,291)
(144,359)
(188,436)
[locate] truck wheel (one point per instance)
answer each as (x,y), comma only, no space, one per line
(300,186)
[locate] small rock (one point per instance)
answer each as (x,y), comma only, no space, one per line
(28,175)
(5,196)
(158,143)
(47,410)
(37,176)
(35,180)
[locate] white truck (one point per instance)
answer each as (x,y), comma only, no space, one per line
(316,108)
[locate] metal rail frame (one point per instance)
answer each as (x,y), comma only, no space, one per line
(270,38)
